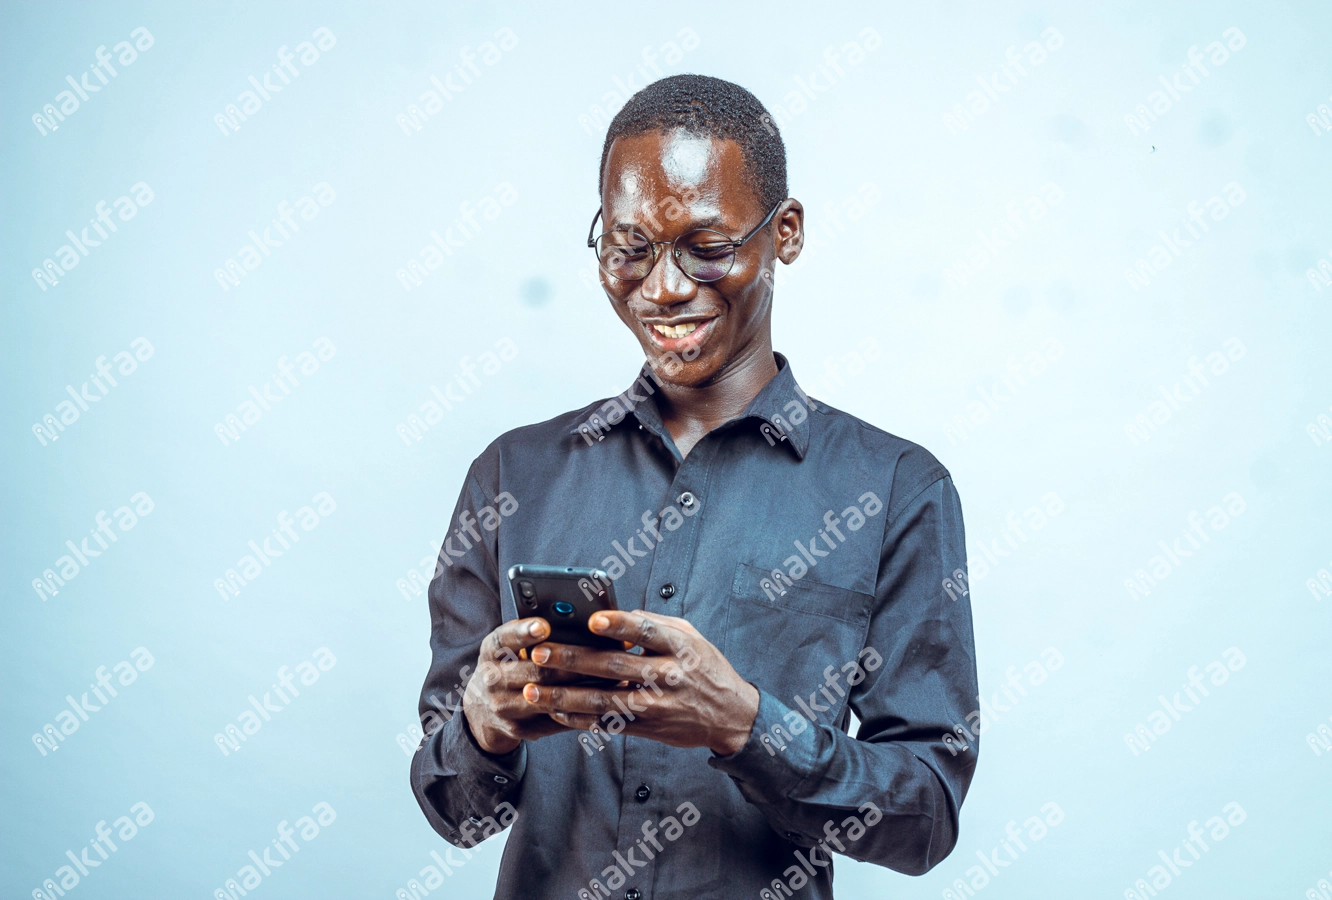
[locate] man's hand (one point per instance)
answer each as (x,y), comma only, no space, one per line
(688,695)
(493,705)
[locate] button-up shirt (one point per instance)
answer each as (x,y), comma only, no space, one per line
(825,559)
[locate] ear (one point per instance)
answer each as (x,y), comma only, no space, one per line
(790,231)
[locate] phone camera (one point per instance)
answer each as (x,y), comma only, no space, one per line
(563,608)
(525,588)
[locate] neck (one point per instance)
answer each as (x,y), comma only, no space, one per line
(689,413)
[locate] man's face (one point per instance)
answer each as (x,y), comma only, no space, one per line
(665,184)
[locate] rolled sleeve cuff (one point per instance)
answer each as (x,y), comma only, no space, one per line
(455,780)
(779,755)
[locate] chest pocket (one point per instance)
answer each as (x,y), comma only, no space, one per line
(782,636)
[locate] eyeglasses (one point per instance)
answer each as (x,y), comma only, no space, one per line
(702,254)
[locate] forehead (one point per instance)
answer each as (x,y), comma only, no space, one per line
(706,174)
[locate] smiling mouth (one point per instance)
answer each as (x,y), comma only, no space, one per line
(680,336)
(675,331)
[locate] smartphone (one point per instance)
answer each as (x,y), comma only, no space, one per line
(566,597)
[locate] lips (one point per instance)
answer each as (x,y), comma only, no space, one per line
(676,337)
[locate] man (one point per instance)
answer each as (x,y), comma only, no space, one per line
(779,565)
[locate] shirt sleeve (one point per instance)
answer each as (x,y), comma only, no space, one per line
(905,759)
(457,784)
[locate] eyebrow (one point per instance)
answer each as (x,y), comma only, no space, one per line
(710,222)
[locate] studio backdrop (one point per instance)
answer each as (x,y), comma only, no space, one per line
(273,275)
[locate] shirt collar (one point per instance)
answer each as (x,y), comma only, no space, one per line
(781,408)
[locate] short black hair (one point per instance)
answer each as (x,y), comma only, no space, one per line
(703,105)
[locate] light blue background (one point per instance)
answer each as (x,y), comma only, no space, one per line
(523,277)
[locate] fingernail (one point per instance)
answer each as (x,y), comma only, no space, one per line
(598,622)
(540,654)
(536,628)
(531,693)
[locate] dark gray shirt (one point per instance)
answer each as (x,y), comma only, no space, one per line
(824,557)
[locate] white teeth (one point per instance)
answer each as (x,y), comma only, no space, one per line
(675,331)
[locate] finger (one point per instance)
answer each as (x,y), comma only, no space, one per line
(651,632)
(588,701)
(576,722)
(613,664)
(506,641)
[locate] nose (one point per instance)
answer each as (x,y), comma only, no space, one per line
(667,284)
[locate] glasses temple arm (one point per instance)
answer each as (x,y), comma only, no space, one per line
(591,242)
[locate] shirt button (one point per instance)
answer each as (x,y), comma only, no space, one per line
(643,793)
(667,590)
(500,779)
(633,894)
(474,820)
(791,836)
(687,500)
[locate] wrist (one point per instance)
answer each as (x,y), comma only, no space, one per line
(735,738)
(488,740)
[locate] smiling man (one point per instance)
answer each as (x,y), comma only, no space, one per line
(779,567)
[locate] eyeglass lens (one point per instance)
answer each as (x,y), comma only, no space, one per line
(703,255)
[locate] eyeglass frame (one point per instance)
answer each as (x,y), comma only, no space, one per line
(735,246)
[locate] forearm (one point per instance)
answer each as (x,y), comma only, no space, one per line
(466,794)
(880,801)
